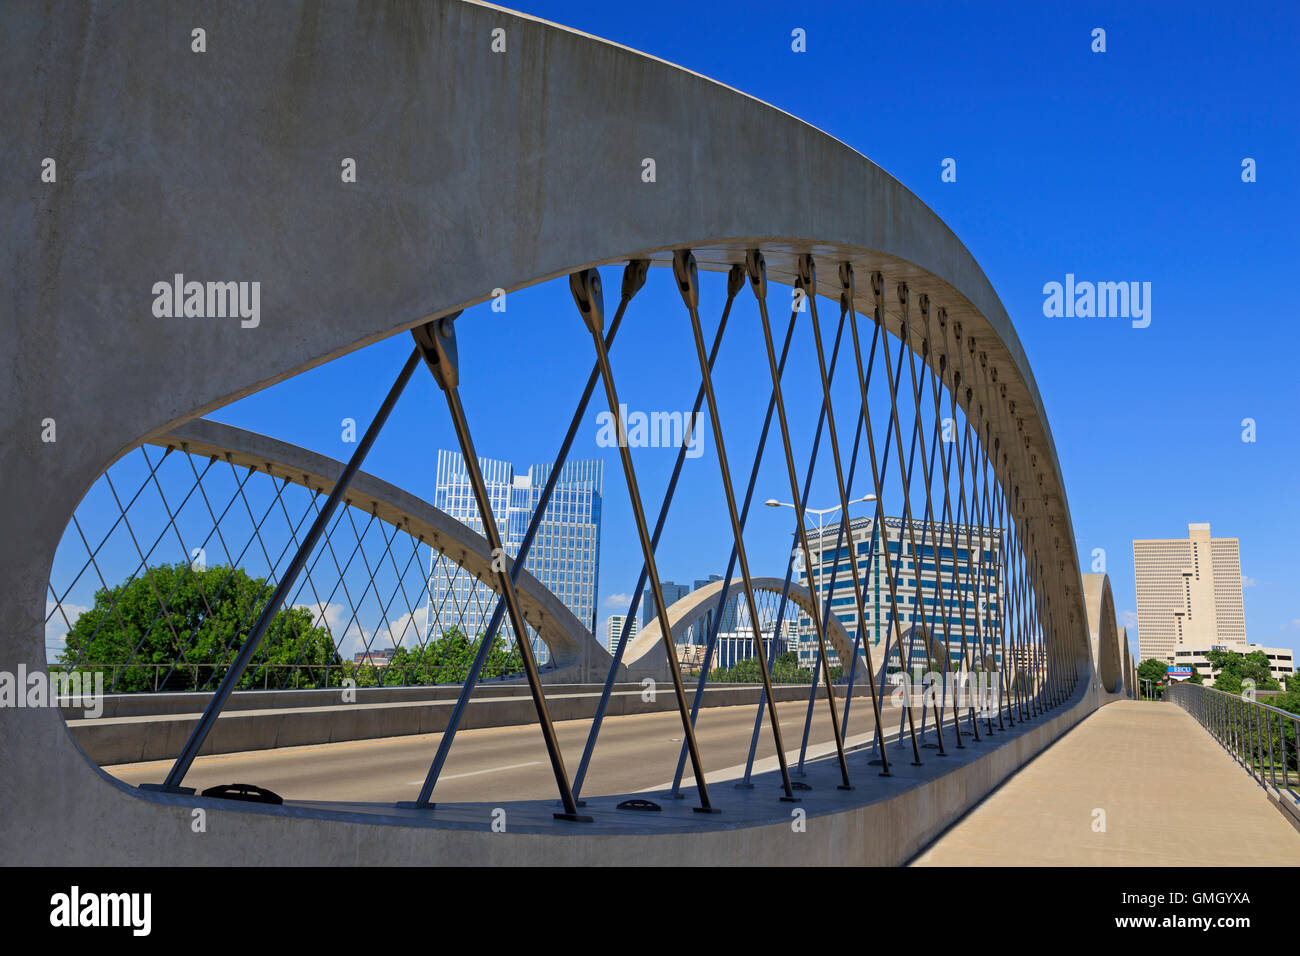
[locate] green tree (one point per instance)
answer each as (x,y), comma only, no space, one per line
(1232,670)
(783,669)
(1152,670)
(196,620)
(445,659)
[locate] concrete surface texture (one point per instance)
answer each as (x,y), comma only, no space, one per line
(1170,795)
(224,166)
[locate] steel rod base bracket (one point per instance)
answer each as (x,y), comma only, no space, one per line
(163,788)
(437,343)
(844,786)
(573,817)
(707,810)
(791,800)
(744,786)
(674,796)
(917,763)
(884,773)
(414,805)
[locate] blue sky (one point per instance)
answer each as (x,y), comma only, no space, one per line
(1123,165)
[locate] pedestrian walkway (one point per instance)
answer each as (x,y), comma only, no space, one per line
(1137,783)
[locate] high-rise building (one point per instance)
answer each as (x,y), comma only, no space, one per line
(969,569)
(614,628)
(672,594)
(564,557)
(1188,593)
(697,633)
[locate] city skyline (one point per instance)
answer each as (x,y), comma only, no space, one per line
(1090,212)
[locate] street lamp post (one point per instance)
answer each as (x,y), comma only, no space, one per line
(820,513)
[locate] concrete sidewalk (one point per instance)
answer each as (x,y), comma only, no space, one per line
(1170,794)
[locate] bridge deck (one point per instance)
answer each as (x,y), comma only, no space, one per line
(1171,795)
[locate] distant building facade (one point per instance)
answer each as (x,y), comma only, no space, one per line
(739,645)
(564,557)
(673,593)
(614,628)
(957,558)
(1189,594)
(1280,660)
(697,633)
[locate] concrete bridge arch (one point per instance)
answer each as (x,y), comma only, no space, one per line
(226,167)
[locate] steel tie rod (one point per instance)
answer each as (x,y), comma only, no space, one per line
(808,280)
(236,670)
(634,276)
(597,722)
(687,276)
(436,343)
(757,270)
(587,294)
(733,287)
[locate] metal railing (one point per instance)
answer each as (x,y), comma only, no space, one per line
(1262,738)
(169,677)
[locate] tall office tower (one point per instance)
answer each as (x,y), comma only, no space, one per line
(564,557)
(970,573)
(728,620)
(1188,593)
(672,594)
(614,629)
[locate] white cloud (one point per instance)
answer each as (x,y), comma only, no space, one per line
(618,600)
(1128,618)
(56,628)
(1248,582)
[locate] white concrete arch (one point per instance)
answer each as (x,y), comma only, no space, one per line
(575,654)
(1130,672)
(645,655)
(475,171)
(1107,658)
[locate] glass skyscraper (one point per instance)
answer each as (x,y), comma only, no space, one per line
(564,557)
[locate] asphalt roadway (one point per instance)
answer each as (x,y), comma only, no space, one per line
(633,753)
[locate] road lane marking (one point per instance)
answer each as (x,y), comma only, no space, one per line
(475,773)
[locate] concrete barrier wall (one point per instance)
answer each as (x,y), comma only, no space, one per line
(258,720)
(897,819)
